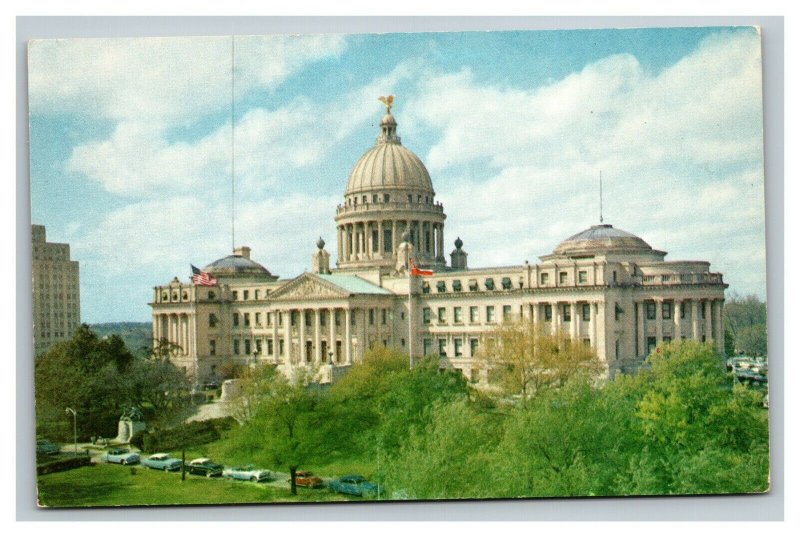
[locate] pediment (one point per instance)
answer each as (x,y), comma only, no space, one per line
(308,287)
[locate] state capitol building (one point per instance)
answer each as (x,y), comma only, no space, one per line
(604,286)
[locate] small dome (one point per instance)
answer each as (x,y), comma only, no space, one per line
(388,119)
(459,243)
(601,239)
(236,266)
(320,243)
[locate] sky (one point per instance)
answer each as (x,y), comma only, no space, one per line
(132,148)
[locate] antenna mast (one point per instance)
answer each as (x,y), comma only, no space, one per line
(601,196)
(233,153)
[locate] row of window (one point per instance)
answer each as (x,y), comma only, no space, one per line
(376,198)
(667,307)
(458,346)
(472,285)
(374,316)
(441,314)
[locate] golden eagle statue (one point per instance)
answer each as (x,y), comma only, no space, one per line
(387,101)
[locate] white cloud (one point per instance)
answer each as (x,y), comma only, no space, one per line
(169,80)
(680,151)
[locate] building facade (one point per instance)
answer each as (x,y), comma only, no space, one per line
(56,292)
(603,286)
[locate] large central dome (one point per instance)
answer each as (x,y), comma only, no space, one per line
(388,166)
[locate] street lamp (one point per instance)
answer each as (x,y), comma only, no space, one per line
(74,427)
(330,357)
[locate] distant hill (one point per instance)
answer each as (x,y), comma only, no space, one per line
(135,335)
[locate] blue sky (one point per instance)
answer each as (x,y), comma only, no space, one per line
(131,145)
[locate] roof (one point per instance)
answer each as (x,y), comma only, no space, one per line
(353,284)
(235,265)
(388,165)
(602,238)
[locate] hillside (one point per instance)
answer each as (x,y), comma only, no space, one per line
(135,335)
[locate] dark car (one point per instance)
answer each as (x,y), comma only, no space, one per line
(204,466)
(354,485)
(46,447)
(304,478)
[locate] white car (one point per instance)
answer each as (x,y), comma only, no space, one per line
(247,473)
(120,456)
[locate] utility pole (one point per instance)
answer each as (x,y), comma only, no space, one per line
(74,427)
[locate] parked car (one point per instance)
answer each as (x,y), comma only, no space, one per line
(46,447)
(120,456)
(354,485)
(304,478)
(247,473)
(204,466)
(162,461)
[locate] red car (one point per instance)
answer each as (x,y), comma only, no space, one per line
(304,478)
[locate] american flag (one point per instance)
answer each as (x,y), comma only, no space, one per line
(202,278)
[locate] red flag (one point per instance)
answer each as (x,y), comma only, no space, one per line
(418,272)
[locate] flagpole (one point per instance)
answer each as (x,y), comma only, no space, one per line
(410,326)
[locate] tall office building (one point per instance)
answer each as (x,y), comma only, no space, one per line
(56,292)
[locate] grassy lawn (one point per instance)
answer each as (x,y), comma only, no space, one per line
(105,485)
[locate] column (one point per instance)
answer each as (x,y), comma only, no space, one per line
(695,319)
(676,320)
(301,319)
(394,236)
(348,338)
(708,330)
(441,240)
(574,322)
(720,341)
(556,317)
(535,307)
(275,349)
(381,246)
(317,345)
(287,336)
(368,239)
(361,325)
(338,244)
(659,321)
(332,332)
(185,332)
(592,325)
(640,325)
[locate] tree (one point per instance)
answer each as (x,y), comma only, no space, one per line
(286,423)
(522,358)
(752,340)
(746,318)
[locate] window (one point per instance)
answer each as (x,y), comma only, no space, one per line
(442,315)
(473,346)
(255,293)
(426,288)
(212,347)
(371,316)
(457,285)
(548,313)
(212,320)
(666,310)
(442,347)
(247,346)
(651,344)
(258,319)
(364,199)
(247,319)
(426,347)
(506,283)
(235,319)
(457,346)
(270,347)
(544,278)
(307,318)
(236,295)
(337,317)
(582,277)
(280,347)
(245,295)
(667,339)
(185,296)
(235,346)
(383,317)
(566,313)
(703,310)
(489,283)
(473,314)
(614,276)
(457,315)
(410,198)
(293,318)
(616,349)
(683,310)
(473,285)
(489,314)
(506,313)
(586,311)
(323,318)
(650,309)
(587,342)
(562,278)
(386,198)
(374,198)
(617,311)
(426,316)
(440,287)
